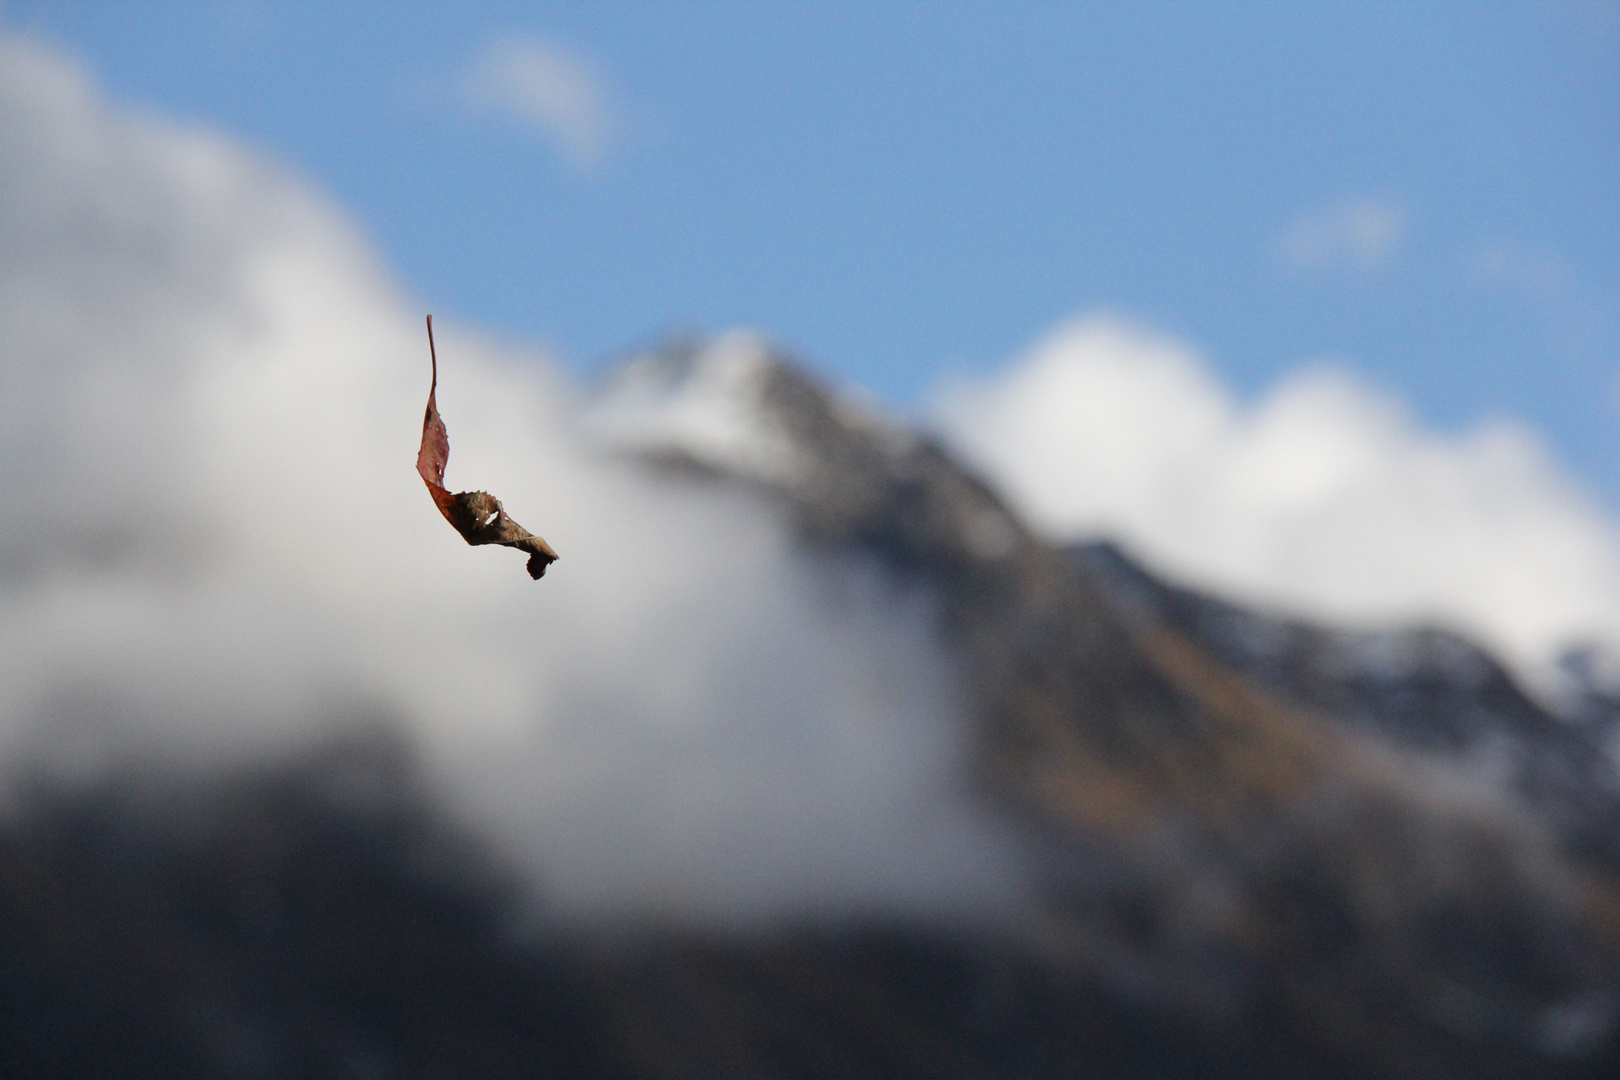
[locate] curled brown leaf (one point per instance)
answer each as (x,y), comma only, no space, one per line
(476,515)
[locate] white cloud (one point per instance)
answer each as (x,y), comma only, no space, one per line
(1323,497)
(1358,234)
(543,85)
(213,541)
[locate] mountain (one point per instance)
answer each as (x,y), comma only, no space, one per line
(1311,828)
(1262,848)
(1421,688)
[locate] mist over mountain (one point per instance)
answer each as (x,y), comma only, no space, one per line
(210,552)
(819,753)
(1322,497)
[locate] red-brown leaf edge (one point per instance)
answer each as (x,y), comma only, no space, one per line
(476,515)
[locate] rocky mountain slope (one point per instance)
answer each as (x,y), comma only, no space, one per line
(1264,849)
(1420,688)
(1301,830)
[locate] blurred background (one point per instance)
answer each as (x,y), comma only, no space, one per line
(1089,540)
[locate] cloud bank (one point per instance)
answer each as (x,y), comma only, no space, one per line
(214,544)
(545,87)
(1323,497)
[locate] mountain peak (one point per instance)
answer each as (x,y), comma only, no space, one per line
(709,401)
(736,407)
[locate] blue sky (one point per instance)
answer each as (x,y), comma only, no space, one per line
(1427,194)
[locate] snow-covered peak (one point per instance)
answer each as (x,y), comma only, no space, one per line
(709,402)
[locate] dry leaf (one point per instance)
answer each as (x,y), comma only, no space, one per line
(476,515)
